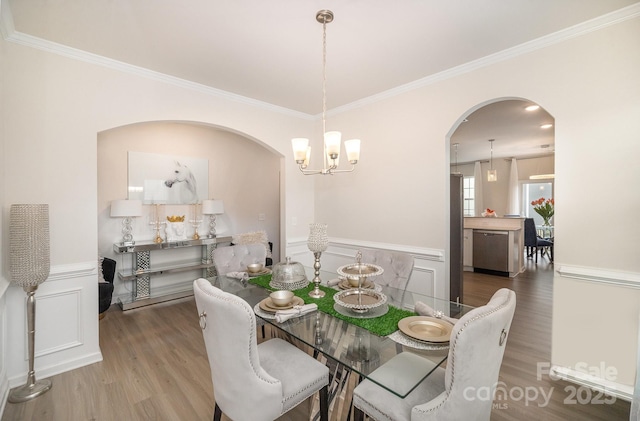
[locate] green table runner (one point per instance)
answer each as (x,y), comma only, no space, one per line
(381,326)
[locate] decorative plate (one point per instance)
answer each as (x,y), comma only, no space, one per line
(264,271)
(268,306)
(425,328)
(360,300)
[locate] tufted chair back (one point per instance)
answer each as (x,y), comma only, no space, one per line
(236,258)
(397,267)
(229,329)
(250,381)
(477,346)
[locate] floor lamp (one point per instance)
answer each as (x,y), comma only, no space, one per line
(28,268)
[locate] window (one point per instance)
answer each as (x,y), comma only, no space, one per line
(468,189)
(534,191)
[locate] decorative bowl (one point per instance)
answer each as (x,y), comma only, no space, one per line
(255,267)
(354,282)
(281,298)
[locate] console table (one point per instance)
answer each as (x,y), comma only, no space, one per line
(141,271)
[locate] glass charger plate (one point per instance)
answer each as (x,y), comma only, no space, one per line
(370,314)
(405,340)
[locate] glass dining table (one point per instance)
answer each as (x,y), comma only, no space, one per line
(360,344)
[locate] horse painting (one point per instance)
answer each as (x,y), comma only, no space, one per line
(184,181)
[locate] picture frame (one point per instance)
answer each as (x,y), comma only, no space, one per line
(167,179)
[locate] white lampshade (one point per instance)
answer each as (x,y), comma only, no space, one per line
(300,146)
(125,208)
(212,207)
(352,146)
(332,143)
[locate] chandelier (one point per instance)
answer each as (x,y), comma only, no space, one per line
(492,175)
(301,148)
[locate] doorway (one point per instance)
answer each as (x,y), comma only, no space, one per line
(513,136)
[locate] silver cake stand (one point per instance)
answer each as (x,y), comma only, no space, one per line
(360,302)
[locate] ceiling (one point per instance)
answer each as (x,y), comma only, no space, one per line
(515,131)
(271,51)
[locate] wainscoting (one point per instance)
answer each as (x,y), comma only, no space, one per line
(66,324)
(429,275)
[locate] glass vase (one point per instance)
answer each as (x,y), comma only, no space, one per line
(317,242)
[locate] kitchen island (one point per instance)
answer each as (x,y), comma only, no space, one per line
(494,245)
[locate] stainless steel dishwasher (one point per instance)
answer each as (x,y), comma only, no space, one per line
(491,251)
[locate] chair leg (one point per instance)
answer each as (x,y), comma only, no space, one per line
(358,415)
(324,403)
(217,413)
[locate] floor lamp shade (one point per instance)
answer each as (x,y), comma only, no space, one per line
(29,264)
(29,244)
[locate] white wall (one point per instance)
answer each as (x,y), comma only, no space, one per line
(590,86)
(55,106)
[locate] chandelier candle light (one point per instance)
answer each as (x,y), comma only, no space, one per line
(317,243)
(332,139)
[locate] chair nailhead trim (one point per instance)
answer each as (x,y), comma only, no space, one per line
(452,351)
(252,332)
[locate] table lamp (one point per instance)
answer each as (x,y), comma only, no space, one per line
(126,209)
(212,208)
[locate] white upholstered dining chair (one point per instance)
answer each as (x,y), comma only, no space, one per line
(250,381)
(458,392)
(236,258)
(397,268)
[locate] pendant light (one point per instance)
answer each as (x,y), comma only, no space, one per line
(301,148)
(492,175)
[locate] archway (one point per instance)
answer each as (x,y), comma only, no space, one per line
(519,143)
(243,172)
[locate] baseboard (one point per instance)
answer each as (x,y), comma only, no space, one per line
(4,393)
(620,391)
(52,370)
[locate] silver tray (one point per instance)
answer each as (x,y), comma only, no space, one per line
(360,270)
(360,300)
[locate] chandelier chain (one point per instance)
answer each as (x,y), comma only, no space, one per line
(324,75)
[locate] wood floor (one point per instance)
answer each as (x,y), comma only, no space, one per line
(155,365)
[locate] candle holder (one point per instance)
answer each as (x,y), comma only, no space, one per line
(157,224)
(195,222)
(317,243)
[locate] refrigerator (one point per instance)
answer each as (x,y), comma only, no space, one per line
(456,237)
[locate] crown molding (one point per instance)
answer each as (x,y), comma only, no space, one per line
(10,34)
(595,24)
